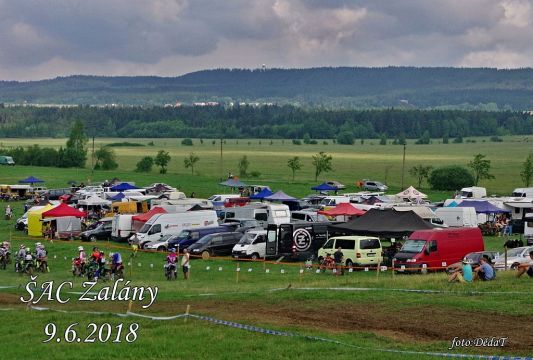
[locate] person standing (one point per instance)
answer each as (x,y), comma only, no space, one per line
(185,264)
(338,256)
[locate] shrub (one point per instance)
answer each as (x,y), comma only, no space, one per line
(151,143)
(496,139)
(145,164)
(345,138)
(186,142)
(313,142)
(126,143)
(296,142)
(324,142)
(450,178)
(458,140)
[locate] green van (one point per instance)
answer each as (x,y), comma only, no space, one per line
(6,160)
(357,250)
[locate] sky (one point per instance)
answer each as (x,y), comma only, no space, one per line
(43,39)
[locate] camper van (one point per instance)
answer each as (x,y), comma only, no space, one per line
(264,213)
(7,160)
(357,250)
(252,245)
(435,249)
(458,216)
(523,192)
(164,224)
(297,241)
(528,228)
(121,227)
(473,192)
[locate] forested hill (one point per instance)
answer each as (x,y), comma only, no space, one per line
(333,88)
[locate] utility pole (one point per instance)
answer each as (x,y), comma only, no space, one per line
(92,163)
(403,163)
(221,159)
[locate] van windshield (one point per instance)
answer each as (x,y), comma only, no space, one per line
(413,246)
(247,239)
(145,228)
(183,235)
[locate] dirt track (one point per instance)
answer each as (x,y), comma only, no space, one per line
(423,323)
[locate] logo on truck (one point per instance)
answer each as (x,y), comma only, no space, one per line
(302,239)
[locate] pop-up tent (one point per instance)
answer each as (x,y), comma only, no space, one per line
(325,187)
(411,193)
(234,183)
(345,209)
(35,225)
(94,200)
(261,195)
(482,207)
(279,196)
(123,187)
(63,210)
(141,219)
(64,227)
(387,223)
(31,180)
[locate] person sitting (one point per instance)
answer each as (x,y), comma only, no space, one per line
(526,267)
(484,271)
(461,272)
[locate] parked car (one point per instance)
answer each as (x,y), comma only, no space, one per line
(473,258)
(161,244)
(100,230)
(241,225)
(515,257)
(252,245)
(220,244)
(188,237)
(372,185)
(357,250)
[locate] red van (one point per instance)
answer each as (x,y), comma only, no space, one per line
(435,249)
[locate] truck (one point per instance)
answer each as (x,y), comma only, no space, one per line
(458,216)
(121,227)
(435,249)
(296,241)
(173,223)
(7,160)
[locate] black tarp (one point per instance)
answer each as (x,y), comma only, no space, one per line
(387,223)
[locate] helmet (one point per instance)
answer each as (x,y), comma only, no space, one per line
(172,250)
(80,248)
(38,244)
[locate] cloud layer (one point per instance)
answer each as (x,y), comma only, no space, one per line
(41,39)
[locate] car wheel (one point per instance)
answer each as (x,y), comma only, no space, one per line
(92,238)
(206,255)
(514,266)
(349,263)
(255,256)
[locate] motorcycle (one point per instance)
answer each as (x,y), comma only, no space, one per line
(170,271)
(117,272)
(92,271)
(3,261)
(78,268)
(28,267)
(42,265)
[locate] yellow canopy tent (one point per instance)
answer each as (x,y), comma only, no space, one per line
(35,225)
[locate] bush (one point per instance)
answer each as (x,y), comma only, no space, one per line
(496,139)
(324,142)
(151,143)
(145,164)
(345,138)
(450,178)
(296,142)
(126,143)
(313,142)
(458,140)
(186,142)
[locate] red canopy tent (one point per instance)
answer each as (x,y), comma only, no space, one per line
(64,210)
(343,209)
(139,220)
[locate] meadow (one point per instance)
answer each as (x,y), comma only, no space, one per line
(368,314)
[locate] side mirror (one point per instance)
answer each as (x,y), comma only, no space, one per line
(426,251)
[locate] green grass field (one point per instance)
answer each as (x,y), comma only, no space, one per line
(362,310)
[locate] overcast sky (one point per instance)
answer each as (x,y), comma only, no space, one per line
(47,38)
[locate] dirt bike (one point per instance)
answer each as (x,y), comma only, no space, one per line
(92,271)
(328,263)
(3,261)
(118,272)
(170,272)
(78,268)
(28,267)
(42,265)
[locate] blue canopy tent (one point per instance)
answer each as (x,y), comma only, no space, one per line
(31,180)
(279,196)
(123,187)
(234,183)
(261,195)
(117,197)
(483,207)
(325,187)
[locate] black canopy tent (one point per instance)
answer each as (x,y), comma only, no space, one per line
(386,223)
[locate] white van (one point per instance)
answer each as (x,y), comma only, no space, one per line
(332,201)
(122,227)
(473,192)
(164,224)
(252,245)
(458,216)
(307,216)
(218,200)
(264,213)
(357,250)
(523,192)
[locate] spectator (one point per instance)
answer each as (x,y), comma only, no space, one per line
(526,267)
(185,265)
(462,273)
(338,256)
(484,271)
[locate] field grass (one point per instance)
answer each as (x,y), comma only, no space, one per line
(387,315)
(350,163)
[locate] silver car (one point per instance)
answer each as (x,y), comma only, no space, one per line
(515,257)
(374,186)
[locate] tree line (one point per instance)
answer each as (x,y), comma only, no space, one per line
(271,122)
